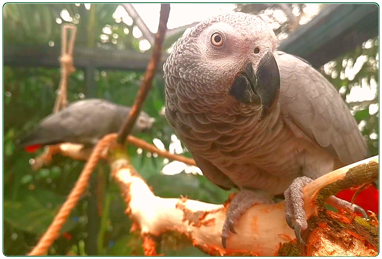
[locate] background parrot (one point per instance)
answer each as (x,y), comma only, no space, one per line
(255,118)
(83,122)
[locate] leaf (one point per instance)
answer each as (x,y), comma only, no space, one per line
(26,179)
(361,115)
(35,211)
(195,187)
(9,148)
(10,10)
(44,173)
(126,245)
(148,168)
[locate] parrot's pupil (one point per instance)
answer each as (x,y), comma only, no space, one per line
(257,50)
(217,38)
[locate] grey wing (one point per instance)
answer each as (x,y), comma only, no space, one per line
(83,121)
(315,106)
(96,119)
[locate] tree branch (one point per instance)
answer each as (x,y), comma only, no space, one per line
(262,230)
(148,77)
(78,152)
(365,103)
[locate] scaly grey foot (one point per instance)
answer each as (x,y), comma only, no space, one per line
(342,204)
(294,206)
(242,201)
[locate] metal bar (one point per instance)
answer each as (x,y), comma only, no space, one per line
(337,29)
(139,22)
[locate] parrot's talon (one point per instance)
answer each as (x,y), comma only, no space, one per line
(228,227)
(297,231)
(343,204)
(224,242)
(232,228)
(294,206)
(289,221)
(242,201)
(360,210)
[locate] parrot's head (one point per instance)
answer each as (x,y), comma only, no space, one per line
(225,60)
(144,122)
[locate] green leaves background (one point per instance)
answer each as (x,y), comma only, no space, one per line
(32,198)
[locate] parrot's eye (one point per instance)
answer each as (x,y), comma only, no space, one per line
(217,39)
(256,50)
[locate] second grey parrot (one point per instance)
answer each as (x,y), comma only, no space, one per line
(255,118)
(83,122)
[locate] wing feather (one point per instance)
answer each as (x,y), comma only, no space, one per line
(316,107)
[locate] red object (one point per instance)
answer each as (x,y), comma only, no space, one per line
(367,198)
(33,148)
(67,235)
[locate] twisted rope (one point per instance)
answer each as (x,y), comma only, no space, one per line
(54,229)
(66,61)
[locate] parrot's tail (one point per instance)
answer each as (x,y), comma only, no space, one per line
(34,141)
(33,148)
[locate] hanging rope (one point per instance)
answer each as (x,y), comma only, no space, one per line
(59,220)
(66,68)
(66,61)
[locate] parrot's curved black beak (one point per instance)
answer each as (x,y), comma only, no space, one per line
(260,87)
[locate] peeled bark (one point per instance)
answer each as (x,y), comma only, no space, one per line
(262,230)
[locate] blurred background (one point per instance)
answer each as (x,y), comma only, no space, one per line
(112,49)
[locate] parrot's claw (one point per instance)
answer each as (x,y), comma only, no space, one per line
(231,227)
(294,206)
(225,235)
(297,232)
(289,220)
(360,210)
(242,201)
(342,204)
(227,228)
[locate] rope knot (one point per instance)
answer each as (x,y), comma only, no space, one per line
(67,61)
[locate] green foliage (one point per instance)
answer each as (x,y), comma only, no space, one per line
(39,207)
(32,198)
(40,24)
(338,73)
(31,94)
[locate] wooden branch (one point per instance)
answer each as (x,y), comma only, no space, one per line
(262,230)
(148,77)
(164,153)
(46,157)
(365,171)
(366,103)
(55,227)
(78,152)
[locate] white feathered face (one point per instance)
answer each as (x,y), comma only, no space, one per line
(229,56)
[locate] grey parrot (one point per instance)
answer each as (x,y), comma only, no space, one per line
(255,118)
(82,122)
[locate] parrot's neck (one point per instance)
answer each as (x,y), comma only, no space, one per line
(219,107)
(225,128)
